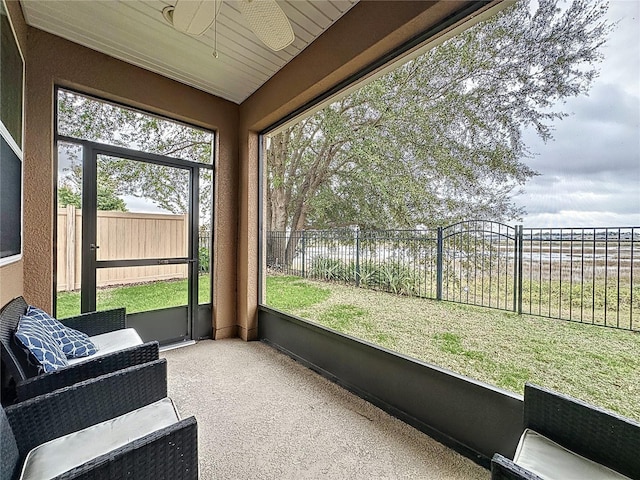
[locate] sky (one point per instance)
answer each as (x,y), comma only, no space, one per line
(590,172)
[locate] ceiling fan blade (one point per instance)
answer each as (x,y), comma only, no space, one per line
(269,22)
(194,17)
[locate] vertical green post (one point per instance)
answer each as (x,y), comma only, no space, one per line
(304,245)
(439,265)
(516,262)
(519,256)
(357,273)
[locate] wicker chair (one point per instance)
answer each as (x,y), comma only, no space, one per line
(29,383)
(165,449)
(600,436)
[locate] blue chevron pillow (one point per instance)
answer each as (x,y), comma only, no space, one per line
(37,340)
(73,343)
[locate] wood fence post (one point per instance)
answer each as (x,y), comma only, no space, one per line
(71,248)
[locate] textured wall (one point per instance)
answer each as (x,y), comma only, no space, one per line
(11,283)
(364,34)
(55,61)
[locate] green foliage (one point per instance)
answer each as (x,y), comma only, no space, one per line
(342,315)
(203,256)
(449,342)
(168,188)
(136,298)
(289,293)
(69,192)
(391,276)
(452,343)
(106,198)
(399,278)
(573,295)
(513,376)
(440,138)
(66,196)
(331,269)
(86,118)
(613,305)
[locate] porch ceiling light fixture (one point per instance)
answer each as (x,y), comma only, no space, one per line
(264,17)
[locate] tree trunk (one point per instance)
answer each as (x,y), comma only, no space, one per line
(276,201)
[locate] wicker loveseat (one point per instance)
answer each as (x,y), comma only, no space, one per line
(566,438)
(119,425)
(28,382)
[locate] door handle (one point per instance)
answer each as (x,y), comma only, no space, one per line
(93,246)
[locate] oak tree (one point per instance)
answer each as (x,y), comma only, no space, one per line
(440,138)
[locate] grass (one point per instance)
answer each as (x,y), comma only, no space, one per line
(291,293)
(599,300)
(136,298)
(599,365)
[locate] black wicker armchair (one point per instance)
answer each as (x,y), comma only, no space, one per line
(603,438)
(29,383)
(75,421)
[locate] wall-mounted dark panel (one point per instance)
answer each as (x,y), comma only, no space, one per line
(476,419)
(168,325)
(10,201)
(203,326)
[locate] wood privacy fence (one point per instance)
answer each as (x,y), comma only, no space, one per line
(121,236)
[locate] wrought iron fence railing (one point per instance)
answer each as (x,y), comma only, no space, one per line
(585,275)
(204,247)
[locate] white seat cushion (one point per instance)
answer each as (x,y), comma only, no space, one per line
(550,460)
(111,342)
(50,459)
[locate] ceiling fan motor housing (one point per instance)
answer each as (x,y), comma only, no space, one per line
(265,18)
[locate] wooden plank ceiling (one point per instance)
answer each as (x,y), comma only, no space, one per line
(136,32)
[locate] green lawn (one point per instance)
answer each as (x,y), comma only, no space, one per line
(136,298)
(611,300)
(597,364)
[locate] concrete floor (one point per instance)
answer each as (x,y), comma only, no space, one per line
(262,415)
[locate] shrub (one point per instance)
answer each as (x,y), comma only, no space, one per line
(325,268)
(400,279)
(203,257)
(392,276)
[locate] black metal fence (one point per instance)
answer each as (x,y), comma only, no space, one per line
(204,247)
(579,274)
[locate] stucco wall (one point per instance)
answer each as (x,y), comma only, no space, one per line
(368,31)
(54,61)
(11,282)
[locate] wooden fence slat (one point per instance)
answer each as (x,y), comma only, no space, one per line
(70,264)
(122,235)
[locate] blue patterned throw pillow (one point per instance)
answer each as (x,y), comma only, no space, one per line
(74,344)
(39,342)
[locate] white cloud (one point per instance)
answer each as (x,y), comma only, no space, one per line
(590,172)
(581,218)
(142,205)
